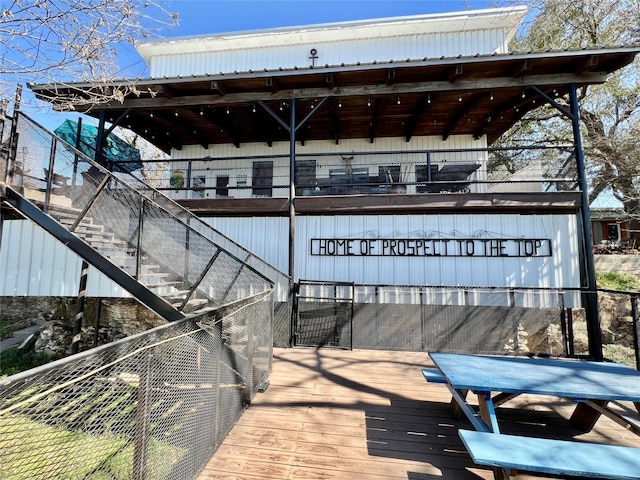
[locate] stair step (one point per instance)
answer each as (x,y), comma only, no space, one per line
(162,284)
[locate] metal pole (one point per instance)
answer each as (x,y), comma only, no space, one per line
(13,139)
(96,331)
(593,321)
(292,188)
(636,334)
(75,156)
(82,293)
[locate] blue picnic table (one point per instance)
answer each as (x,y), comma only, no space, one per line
(495,380)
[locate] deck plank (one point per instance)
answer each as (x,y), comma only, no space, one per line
(369,415)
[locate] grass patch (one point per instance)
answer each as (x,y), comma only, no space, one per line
(618,281)
(6,328)
(620,354)
(14,361)
(34,450)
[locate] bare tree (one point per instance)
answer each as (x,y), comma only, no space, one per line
(45,41)
(610,113)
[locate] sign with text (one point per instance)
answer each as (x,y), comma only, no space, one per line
(431,247)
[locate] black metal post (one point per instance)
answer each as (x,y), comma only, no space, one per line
(593,321)
(292,188)
(13,138)
(96,327)
(636,334)
(75,155)
(82,294)
(50,173)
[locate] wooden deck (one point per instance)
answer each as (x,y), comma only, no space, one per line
(365,415)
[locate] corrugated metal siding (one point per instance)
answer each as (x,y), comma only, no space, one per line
(559,270)
(33,263)
(367,50)
(268,238)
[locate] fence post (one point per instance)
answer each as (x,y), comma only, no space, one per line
(82,295)
(636,335)
(141,436)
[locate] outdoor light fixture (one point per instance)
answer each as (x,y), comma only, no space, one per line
(227,110)
(368,102)
(398,99)
(201,112)
(176,113)
(459,98)
(253,108)
(491,96)
(523,94)
(151,114)
(428,98)
(339,103)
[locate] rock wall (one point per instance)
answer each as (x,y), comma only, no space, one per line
(119,318)
(618,263)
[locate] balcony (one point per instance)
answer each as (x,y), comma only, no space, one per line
(247,184)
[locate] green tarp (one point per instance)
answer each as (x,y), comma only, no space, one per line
(115,150)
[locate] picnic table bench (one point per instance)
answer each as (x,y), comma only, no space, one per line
(497,379)
(510,453)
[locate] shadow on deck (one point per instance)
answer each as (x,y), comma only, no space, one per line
(336,414)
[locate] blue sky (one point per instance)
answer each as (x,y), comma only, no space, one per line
(200,17)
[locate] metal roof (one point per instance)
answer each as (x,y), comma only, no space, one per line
(478,95)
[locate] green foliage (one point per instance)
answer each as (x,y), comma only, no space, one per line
(14,361)
(610,113)
(6,328)
(620,354)
(37,450)
(618,281)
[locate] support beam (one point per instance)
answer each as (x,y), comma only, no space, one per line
(419,111)
(218,87)
(593,321)
(455,73)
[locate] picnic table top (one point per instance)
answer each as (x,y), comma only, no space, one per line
(545,376)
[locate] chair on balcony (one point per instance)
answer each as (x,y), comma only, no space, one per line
(360,180)
(337,181)
(458,173)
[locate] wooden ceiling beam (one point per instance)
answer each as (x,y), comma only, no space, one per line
(465,107)
(328,79)
(522,68)
(218,86)
(418,112)
(272,84)
(367,90)
(455,73)
(379,105)
(391,77)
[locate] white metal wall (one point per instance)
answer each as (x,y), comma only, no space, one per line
(368,50)
(34,263)
(416,37)
(269,239)
(561,269)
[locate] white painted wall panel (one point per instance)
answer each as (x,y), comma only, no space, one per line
(561,269)
(33,263)
(266,237)
(415,46)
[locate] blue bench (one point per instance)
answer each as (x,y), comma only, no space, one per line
(556,457)
(433,375)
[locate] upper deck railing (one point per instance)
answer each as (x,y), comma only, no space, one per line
(515,170)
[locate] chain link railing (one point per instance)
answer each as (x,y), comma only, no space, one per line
(145,234)
(151,406)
